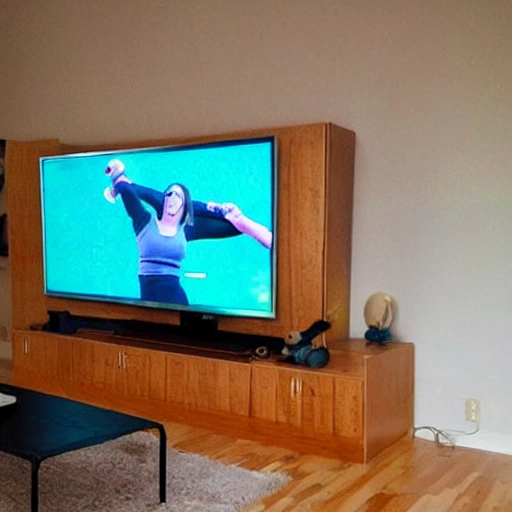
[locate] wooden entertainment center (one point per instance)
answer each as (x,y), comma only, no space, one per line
(355,407)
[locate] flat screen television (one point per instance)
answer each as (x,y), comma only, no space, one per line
(97,244)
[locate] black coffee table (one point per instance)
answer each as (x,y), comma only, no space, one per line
(40,426)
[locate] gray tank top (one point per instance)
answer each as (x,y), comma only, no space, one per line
(160,254)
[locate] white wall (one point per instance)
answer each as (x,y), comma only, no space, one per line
(426,86)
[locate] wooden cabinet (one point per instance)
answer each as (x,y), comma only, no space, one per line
(374,394)
(358,405)
(318,404)
(355,407)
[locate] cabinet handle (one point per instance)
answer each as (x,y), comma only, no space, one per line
(25,346)
(125,361)
(119,363)
(295,386)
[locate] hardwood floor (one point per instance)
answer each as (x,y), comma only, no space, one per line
(412,475)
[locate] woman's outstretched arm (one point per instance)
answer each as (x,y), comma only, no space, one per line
(207,223)
(153,197)
(243,223)
(133,206)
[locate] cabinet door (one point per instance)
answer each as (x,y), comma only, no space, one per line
(297,398)
(102,364)
(94,364)
(205,384)
(264,400)
(316,396)
(144,373)
(83,362)
(36,354)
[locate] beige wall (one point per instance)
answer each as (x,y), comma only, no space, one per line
(427,87)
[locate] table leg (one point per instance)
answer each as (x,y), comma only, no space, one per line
(163,464)
(34,490)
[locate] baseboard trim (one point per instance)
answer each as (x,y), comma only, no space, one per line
(486,441)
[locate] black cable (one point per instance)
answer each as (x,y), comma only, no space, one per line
(443,438)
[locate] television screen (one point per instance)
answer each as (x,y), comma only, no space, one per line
(188,228)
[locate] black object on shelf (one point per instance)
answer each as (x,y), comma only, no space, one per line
(205,336)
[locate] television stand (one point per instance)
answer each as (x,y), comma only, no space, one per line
(355,407)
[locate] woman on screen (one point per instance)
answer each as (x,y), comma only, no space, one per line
(162,237)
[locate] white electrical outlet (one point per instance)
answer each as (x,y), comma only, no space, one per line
(472,410)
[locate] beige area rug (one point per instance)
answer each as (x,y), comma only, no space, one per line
(122,476)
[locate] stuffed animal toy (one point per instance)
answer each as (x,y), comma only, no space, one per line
(300,349)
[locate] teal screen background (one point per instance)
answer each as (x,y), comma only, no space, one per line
(90,249)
